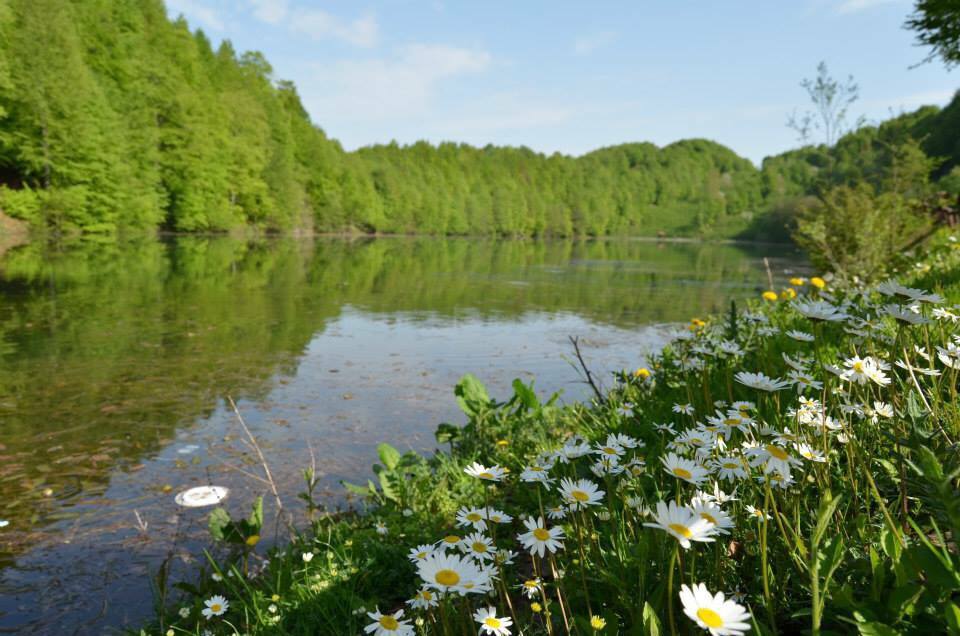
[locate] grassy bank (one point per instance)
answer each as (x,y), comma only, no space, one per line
(798,455)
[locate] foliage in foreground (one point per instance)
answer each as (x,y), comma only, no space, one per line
(800,457)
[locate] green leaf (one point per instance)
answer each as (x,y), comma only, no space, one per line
(827,507)
(447,433)
(952,615)
(360,491)
(526,395)
(651,624)
(389,455)
(876,629)
(890,544)
(471,395)
(219,524)
(389,490)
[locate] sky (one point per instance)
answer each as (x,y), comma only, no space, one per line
(570,77)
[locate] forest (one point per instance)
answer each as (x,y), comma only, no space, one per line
(116,120)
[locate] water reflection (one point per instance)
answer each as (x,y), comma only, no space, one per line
(116,361)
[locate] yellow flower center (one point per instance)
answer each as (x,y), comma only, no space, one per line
(389,622)
(682,473)
(858,367)
(490,621)
(216,608)
(731,465)
(447,577)
(731,421)
(580,496)
(708,517)
(474,517)
(541,534)
(777,452)
(421,555)
(609,451)
(253,540)
(451,538)
(530,584)
(486,475)
(710,618)
(536,469)
(681,529)
(479,546)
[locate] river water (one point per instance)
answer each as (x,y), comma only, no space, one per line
(117,362)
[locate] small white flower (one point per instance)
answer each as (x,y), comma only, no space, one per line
(307,557)
(490,623)
(714,613)
(215,606)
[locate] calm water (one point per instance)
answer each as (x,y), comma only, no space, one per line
(116,362)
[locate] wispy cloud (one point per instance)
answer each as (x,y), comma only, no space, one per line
(393,87)
(321,25)
(270,11)
(586,44)
(197,12)
(855,6)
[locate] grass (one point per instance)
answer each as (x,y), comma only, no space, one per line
(843,509)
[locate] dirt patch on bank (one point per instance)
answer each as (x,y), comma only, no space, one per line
(13,232)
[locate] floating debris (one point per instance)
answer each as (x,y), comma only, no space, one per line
(201,496)
(4,523)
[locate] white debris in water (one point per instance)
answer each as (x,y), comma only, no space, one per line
(201,496)
(189,448)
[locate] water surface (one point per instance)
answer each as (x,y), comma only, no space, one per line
(116,362)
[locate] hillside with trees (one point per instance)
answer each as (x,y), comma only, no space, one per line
(115,119)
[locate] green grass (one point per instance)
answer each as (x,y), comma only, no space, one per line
(863,542)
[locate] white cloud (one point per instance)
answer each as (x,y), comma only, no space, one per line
(855,6)
(586,44)
(196,12)
(320,25)
(270,11)
(388,88)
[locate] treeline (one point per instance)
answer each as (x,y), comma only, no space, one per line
(114,118)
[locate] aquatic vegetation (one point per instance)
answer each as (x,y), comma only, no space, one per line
(701,497)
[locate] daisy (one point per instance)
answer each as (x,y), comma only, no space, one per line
(539,538)
(307,557)
(450,573)
(531,587)
(490,623)
(760,381)
(557,512)
(449,542)
(421,552)
(863,370)
(474,517)
(424,599)
(580,493)
(803,381)
(711,512)
(498,516)
(381,528)
(907,315)
(665,428)
(802,336)
(609,450)
(819,310)
(388,624)
(681,523)
(493,473)
(624,441)
(536,473)
(809,453)
(719,616)
(683,409)
(730,468)
(756,513)
(478,546)
(773,457)
(215,606)
(684,469)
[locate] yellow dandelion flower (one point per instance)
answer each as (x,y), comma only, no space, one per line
(798,282)
(502,443)
(253,540)
(642,372)
(536,608)
(770,295)
(788,294)
(597,623)
(818,282)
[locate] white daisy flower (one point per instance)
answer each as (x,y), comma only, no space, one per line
(472,517)
(493,473)
(531,588)
(760,381)
(388,624)
(539,538)
(730,468)
(421,552)
(721,617)
(756,513)
(819,310)
(536,473)
(491,624)
(809,453)
(684,469)
(681,523)
(451,573)
(425,598)
(478,546)
(711,512)
(215,606)
(801,336)
(684,409)
(580,493)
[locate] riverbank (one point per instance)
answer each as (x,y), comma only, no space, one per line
(814,408)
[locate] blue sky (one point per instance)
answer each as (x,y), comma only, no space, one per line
(574,76)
